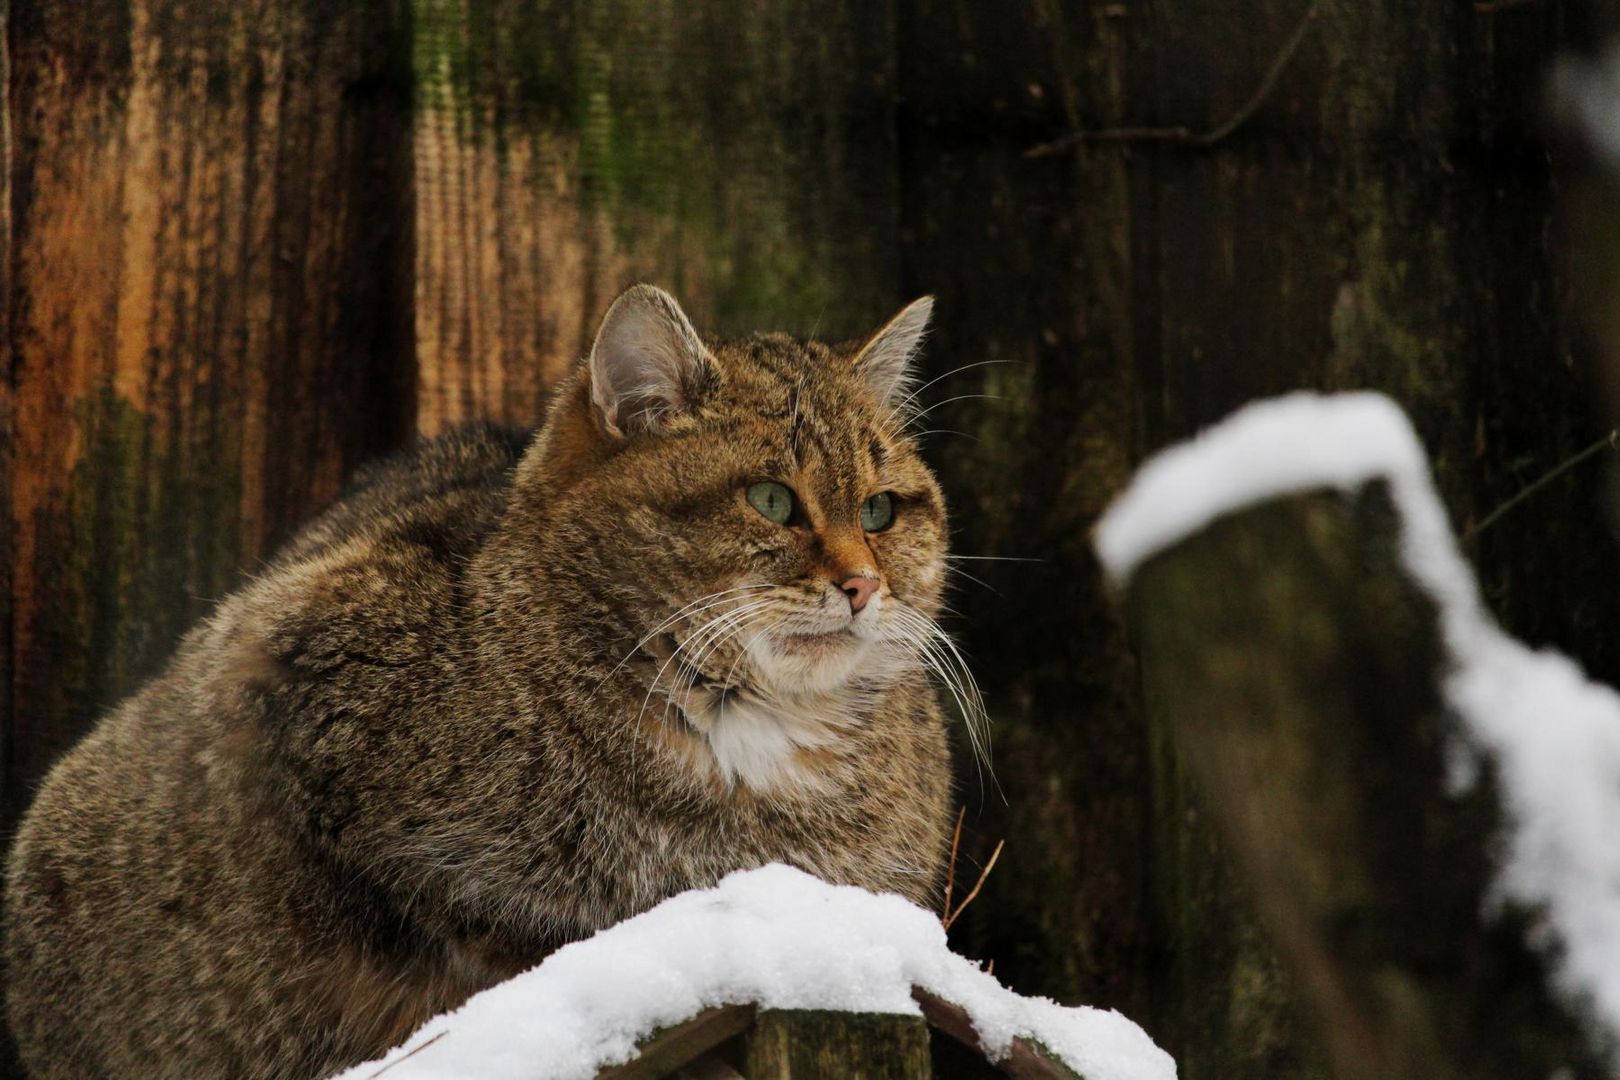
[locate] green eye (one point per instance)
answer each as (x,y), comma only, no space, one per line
(877,513)
(771,499)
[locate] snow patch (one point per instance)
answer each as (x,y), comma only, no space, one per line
(1553,735)
(1270,448)
(1586,94)
(774,936)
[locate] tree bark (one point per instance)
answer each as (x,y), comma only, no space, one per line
(1294,667)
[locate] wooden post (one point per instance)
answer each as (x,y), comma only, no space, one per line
(1292,667)
(803,1044)
(1140,291)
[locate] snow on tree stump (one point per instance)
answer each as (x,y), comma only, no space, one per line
(1300,671)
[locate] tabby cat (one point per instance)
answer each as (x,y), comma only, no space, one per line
(506,692)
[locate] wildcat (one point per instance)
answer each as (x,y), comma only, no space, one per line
(504,693)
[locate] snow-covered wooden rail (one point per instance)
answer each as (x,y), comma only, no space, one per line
(771,975)
(743,1042)
(1413,798)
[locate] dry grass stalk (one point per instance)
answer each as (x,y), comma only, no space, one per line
(950,869)
(947,914)
(977,885)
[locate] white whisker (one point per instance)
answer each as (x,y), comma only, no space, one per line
(899,408)
(712,600)
(991,558)
(919,414)
(939,654)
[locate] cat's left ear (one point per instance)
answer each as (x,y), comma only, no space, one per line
(886,359)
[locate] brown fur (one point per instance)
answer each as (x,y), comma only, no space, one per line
(424,747)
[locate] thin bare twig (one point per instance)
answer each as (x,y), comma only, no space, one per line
(950,871)
(989,866)
(1183,135)
(1611,441)
(413,1053)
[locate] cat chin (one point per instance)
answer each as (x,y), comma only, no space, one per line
(806,664)
(804,692)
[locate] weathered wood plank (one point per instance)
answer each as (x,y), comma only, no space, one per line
(8,734)
(1024,1060)
(803,1044)
(8,434)
(208,315)
(1335,241)
(564,150)
(1295,667)
(1030,262)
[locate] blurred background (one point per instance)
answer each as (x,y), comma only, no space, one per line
(250,245)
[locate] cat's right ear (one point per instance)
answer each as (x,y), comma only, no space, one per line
(648,364)
(887,357)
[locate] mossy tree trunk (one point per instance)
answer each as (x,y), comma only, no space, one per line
(1295,668)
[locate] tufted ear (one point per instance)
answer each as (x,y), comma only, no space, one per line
(647,364)
(885,360)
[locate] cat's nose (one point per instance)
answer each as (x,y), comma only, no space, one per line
(859,590)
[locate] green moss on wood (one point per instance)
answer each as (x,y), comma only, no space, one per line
(152,539)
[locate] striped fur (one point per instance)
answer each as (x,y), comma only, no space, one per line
(476,710)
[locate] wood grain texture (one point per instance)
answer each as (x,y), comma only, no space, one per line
(8,437)
(1296,668)
(1030,265)
(803,1044)
(565,150)
(1337,241)
(207,320)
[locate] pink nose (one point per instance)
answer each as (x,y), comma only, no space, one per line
(859,590)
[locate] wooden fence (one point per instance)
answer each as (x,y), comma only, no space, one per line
(250,244)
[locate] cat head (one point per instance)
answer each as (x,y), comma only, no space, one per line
(750,514)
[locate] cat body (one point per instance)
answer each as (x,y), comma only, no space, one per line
(505,693)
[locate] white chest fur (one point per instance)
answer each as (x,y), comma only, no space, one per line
(757,743)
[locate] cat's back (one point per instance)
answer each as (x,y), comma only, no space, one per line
(174,826)
(455,482)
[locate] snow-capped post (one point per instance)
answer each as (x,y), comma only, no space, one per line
(1315,649)
(774,975)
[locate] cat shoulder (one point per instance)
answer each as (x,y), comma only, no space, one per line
(372,580)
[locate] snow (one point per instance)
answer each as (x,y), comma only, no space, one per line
(1586,93)
(1268,449)
(1552,735)
(775,936)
